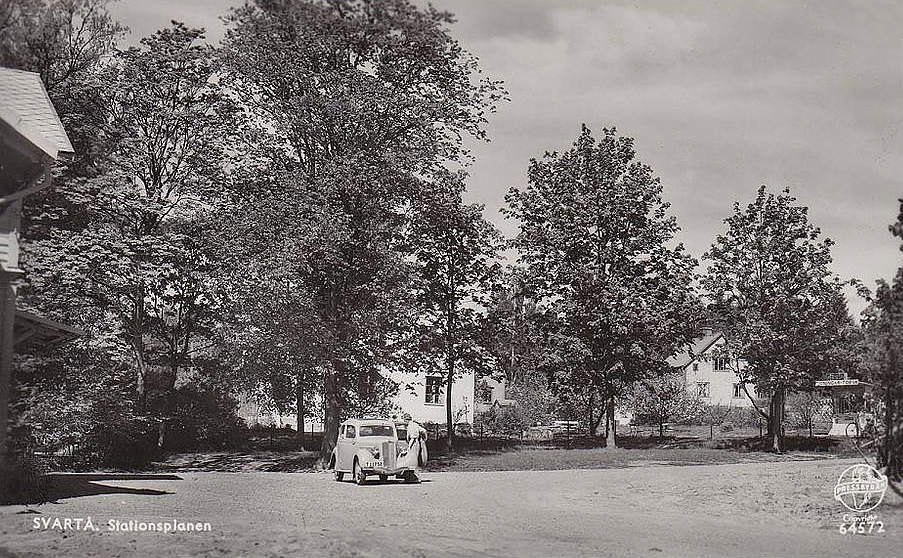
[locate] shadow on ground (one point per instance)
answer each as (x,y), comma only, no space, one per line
(61,486)
(269,461)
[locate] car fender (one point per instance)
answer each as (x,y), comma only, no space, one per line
(363,455)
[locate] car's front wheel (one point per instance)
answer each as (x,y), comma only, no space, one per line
(359,476)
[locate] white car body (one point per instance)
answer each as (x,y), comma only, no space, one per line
(369,447)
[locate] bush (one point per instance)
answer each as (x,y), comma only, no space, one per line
(23,481)
(747,417)
(117,437)
(506,421)
(202,417)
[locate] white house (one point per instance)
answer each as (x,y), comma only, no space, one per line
(423,396)
(710,375)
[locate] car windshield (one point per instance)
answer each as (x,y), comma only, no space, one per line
(402,430)
(376,430)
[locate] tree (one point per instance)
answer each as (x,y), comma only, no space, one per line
(883,324)
(511,330)
(715,414)
(59,39)
(663,399)
(67,42)
(359,104)
(806,408)
(455,247)
(598,245)
(262,323)
(779,304)
(130,247)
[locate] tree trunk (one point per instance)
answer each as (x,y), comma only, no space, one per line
(610,426)
(661,429)
(299,407)
(450,421)
(776,420)
(589,422)
(333,409)
(595,426)
(141,373)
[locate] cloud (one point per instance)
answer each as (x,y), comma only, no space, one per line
(721,97)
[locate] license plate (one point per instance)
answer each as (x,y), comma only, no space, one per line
(373,464)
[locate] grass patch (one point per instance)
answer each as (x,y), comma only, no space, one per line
(585,453)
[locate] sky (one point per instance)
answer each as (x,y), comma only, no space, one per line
(720,96)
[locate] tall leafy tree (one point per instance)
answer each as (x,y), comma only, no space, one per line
(62,40)
(455,248)
(67,42)
(361,101)
(884,364)
(263,320)
(140,256)
(512,328)
(598,243)
(779,304)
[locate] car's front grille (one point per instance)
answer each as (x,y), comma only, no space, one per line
(388,454)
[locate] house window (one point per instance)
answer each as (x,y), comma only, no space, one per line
(738,391)
(702,389)
(722,363)
(434,390)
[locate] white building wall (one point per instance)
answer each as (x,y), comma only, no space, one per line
(721,382)
(411,399)
(496,393)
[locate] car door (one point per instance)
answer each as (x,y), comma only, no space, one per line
(346,445)
(340,449)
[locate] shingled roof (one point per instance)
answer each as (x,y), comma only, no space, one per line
(694,350)
(25,106)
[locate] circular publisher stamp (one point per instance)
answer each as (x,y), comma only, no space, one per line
(860,488)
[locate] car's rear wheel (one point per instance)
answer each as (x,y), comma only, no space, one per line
(359,476)
(410,477)
(339,476)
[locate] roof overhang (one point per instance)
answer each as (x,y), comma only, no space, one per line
(34,331)
(27,139)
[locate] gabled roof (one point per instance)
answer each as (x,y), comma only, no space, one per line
(504,403)
(698,347)
(25,106)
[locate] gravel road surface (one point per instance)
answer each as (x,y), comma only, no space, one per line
(759,509)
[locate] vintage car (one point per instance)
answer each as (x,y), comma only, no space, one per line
(370,447)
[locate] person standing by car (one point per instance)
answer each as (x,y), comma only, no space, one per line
(416,455)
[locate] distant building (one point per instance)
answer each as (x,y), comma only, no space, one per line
(489,393)
(710,374)
(257,410)
(423,397)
